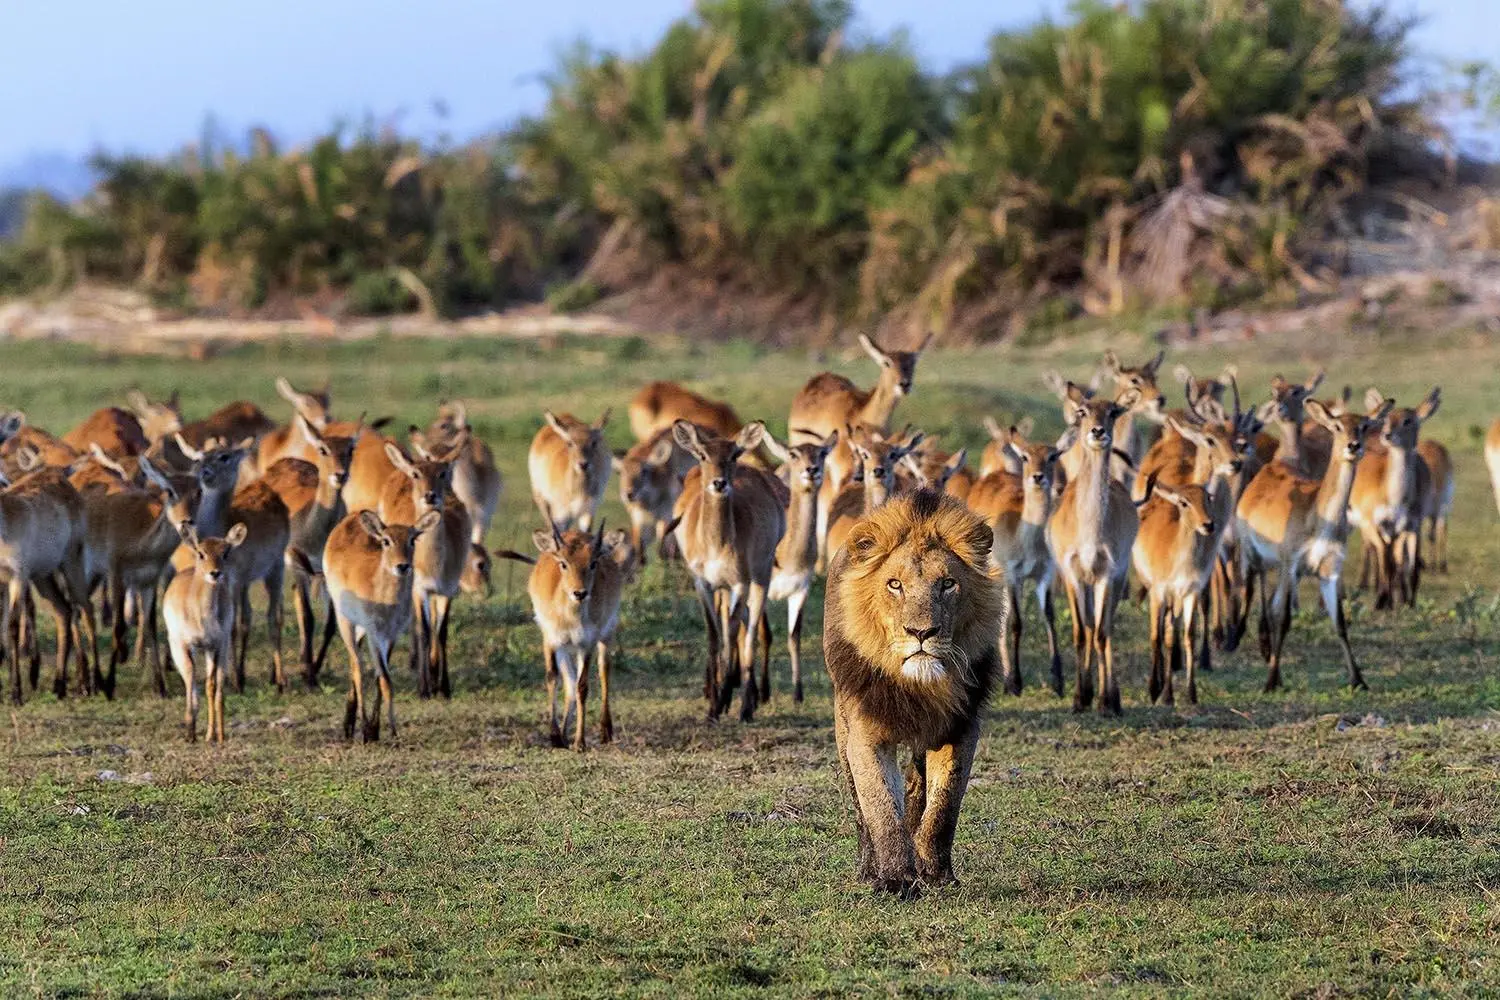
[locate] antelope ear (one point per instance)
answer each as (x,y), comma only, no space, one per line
(956,461)
(876,354)
(1373,398)
(829,443)
(1311,385)
(236,535)
(373,525)
(1110,363)
(191,453)
(1279,384)
(1024,426)
(427,522)
(686,435)
(545,541)
(153,475)
(662,453)
(399,460)
(1430,404)
(285,391)
(750,437)
(1150,367)
(603,418)
(1315,409)
(1074,394)
(911,444)
(1379,412)
(557,425)
(188,534)
(138,402)
(1229,374)
(1056,383)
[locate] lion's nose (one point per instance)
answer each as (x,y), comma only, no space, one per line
(921,635)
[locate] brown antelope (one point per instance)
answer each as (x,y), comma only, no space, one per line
(158,420)
(1176,550)
(367,566)
(287,441)
(1390,488)
(476,480)
(369,470)
(797,552)
(830,402)
(261,558)
(998,454)
(1298,450)
(130,535)
(199,609)
(879,459)
(439,558)
(1017,507)
(22,438)
(1090,535)
(217,467)
(575,589)
(929,467)
(728,522)
(41,546)
(1298,524)
(1200,389)
(163,426)
(1437,505)
(1121,464)
(661,404)
(313,497)
(651,475)
(569,466)
(1150,404)
(117,433)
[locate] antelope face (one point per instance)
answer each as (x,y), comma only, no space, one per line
(430,479)
(1095,417)
(1349,429)
(218,464)
(898,368)
(211,555)
(716,455)
(1039,466)
(575,556)
(1140,380)
(879,459)
(1192,507)
(1291,399)
(805,464)
(397,541)
(646,477)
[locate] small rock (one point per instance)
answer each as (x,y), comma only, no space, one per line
(81,810)
(108,775)
(1342,726)
(140,778)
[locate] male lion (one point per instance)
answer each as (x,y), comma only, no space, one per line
(912,617)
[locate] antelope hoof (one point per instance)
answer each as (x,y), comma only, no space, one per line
(797,693)
(903,887)
(556,738)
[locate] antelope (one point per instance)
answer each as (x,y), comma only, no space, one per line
(1176,550)
(369,470)
(312,494)
(162,424)
(927,467)
(1150,404)
(1200,389)
(1437,504)
(1121,463)
(1298,451)
(661,404)
(575,589)
(878,461)
(217,467)
(1300,524)
(651,475)
(288,441)
(476,480)
(1017,507)
(569,466)
(130,535)
(18,438)
(1090,535)
(199,609)
(1492,457)
(158,420)
(796,553)
(728,522)
(367,566)
(439,558)
(117,433)
(41,519)
(998,454)
(261,558)
(1386,503)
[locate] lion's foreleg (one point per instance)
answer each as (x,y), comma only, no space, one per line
(947,770)
(866,859)
(880,791)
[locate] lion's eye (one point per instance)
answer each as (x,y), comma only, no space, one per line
(893,585)
(949,583)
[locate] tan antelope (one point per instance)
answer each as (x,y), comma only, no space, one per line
(1150,404)
(19,438)
(728,522)
(476,479)
(287,441)
(661,404)
(569,466)
(1175,553)
(929,467)
(1122,465)
(439,558)
(312,493)
(260,558)
(367,566)
(797,552)
(163,426)
(199,610)
(1017,507)
(117,433)
(1288,520)
(130,535)
(41,546)
(1437,505)
(651,475)
(998,454)
(879,459)
(575,589)
(1298,450)
(1386,504)
(1090,535)
(369,471)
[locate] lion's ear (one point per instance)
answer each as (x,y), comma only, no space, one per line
(862,544)
(974,547)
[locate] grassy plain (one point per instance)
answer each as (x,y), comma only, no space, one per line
(1307,843)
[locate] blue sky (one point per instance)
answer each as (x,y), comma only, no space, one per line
(144,75)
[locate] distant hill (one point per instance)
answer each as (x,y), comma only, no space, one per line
(66,176)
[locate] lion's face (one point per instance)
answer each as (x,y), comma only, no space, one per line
(918,594)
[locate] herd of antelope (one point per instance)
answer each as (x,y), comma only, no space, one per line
(160,517)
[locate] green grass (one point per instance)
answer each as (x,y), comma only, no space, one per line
(1311,843)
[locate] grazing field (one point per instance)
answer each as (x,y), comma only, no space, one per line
(1311,842)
